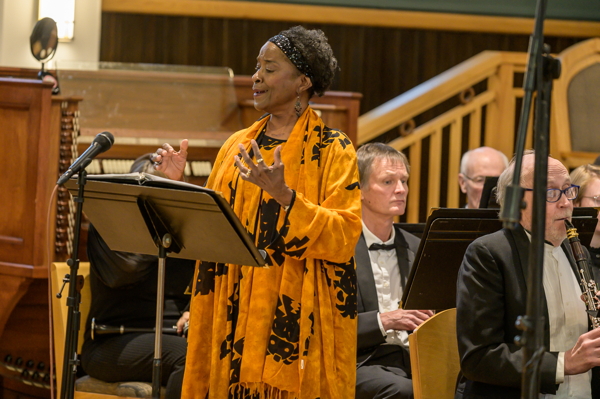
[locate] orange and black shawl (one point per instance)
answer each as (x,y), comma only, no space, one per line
(288,330)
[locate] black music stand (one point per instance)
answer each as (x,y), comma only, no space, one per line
(488,197)
(146,214)
(431,283)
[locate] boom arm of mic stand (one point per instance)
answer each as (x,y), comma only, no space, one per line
(532,339)
(513,203)
(531,324)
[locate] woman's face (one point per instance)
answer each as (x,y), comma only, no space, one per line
(276,81)
(592,190)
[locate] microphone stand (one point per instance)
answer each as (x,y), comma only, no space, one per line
(71,361)
(541,70)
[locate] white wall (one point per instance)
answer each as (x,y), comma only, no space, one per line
(17,19)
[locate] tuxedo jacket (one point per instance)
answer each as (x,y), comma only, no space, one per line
(491,294)
(370,338)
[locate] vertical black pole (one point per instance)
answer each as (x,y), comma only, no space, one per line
(160,295)
(71,360)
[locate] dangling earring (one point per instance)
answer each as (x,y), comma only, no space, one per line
(298,107)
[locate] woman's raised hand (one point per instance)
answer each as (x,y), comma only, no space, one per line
(269,178)
(170,162)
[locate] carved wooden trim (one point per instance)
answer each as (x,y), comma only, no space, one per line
(351,16)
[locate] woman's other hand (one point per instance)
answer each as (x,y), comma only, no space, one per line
(270,178)
(170,162)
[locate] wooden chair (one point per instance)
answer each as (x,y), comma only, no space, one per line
(85,387)
(434,357)
(575,124)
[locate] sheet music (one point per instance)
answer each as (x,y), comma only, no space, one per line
(147,179)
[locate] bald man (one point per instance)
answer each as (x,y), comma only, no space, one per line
(475,166)
(492,293)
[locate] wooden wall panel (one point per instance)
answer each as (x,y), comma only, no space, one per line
(24,106)
(394,16)
(32,123)
(381,63)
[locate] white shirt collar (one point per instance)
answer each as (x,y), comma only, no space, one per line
(371,238)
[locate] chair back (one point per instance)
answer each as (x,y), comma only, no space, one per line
(434,357)
(85,387)
(576,99)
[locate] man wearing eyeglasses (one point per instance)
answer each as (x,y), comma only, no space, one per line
(492,293)
(475,165)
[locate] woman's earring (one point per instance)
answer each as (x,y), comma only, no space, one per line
(298,106)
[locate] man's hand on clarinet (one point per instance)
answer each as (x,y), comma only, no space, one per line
(181,324)
(170,162)
(584,355)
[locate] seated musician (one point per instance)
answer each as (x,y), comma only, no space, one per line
(587,177)
(492,293)
(384,255)
(123,289)
(475,166)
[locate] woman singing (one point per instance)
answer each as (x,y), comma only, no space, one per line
(287,330)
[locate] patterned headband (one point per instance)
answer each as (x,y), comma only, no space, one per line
(292,53)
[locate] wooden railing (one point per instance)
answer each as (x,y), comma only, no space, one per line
(485,113)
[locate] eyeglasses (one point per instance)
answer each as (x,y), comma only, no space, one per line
(596,199)
(554,194)
(478,180)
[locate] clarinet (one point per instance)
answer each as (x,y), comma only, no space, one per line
(588,285)
(100,329)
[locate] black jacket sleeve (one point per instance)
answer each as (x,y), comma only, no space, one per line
(491,294)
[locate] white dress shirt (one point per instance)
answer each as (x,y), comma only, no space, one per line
(568,320)
(386,273)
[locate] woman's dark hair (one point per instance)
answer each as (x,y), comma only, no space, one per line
(317,52)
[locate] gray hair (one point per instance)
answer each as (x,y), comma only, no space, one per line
(464,161)
(507,176)
(582,177)
(369,152)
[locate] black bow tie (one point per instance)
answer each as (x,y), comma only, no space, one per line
(386,247)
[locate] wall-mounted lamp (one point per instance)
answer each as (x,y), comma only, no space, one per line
(63,13)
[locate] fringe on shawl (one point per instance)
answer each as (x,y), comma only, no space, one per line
(259,390)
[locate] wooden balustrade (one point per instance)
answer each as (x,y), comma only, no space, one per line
(487,115)
(474,104)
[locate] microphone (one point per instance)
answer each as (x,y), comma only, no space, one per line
(101,143)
